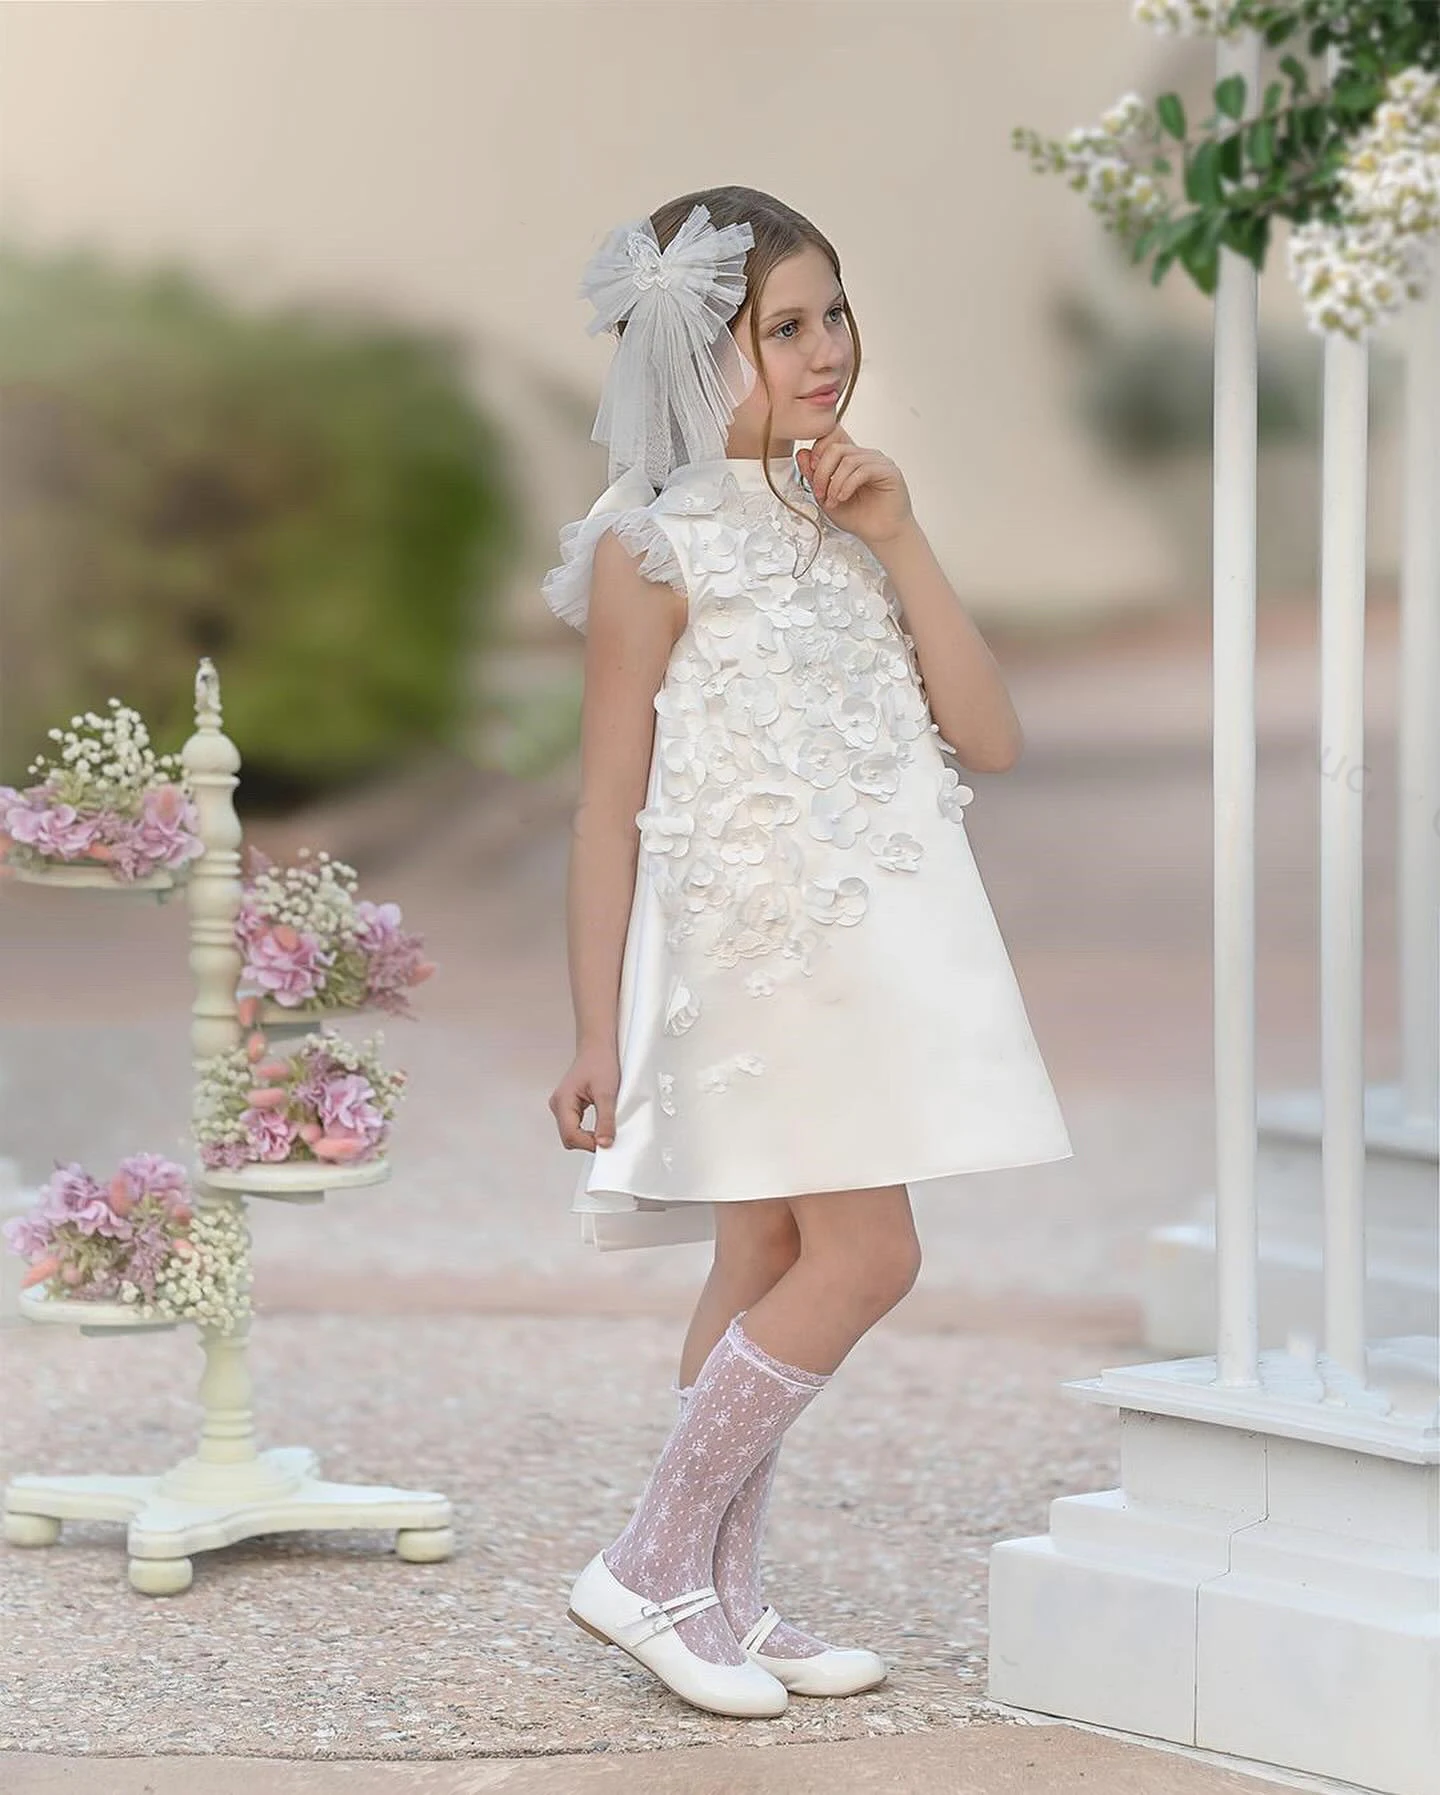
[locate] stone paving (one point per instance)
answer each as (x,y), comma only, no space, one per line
(449,1331)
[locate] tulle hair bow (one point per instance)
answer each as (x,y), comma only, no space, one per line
(677,373)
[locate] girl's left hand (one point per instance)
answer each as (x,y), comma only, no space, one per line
(859,490)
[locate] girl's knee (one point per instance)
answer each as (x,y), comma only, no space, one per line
(754,1234)
(891,1271)
(872,1278)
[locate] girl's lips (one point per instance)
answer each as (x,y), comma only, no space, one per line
(827,397)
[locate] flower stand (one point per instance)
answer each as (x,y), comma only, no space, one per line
(228,1489)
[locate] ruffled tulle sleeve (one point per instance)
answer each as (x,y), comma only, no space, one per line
(624,508)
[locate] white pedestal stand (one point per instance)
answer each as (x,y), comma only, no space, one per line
(228,1489)
(13,1201)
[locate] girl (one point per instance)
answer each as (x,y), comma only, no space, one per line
(792,999)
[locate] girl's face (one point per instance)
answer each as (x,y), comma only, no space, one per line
(805,349)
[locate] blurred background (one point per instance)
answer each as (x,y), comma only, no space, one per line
(294,364)
(293,373)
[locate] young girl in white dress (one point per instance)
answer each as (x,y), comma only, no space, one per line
(792,999)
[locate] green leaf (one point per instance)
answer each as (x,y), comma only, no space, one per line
(1145,242)
(1247,235)
(1232,157)
(1202,177)
(1356,94)
(1262,239)
(1295,69)
(1278,30)
(1273,95)
(1202,260)
(1162,165)
(1230,96)
(1260,143)
(1170,110)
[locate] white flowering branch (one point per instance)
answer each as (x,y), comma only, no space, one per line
(1354,166)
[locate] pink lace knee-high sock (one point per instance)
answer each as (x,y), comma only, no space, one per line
(737,1560)
(739,1407)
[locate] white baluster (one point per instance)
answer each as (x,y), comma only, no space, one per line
(1344,485)
(1235,459)
(1418,870)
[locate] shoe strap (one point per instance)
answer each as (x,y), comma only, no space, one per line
(657,1617)
(762,1630)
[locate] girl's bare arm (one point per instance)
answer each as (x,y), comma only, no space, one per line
(963,683)
(632,626)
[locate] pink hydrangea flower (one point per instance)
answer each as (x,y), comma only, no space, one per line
(72,1195)
(226,1156)
(346,1109)
(57,830)
(271,1134)
(120,844)
(151,1174)
(250,925)
(286,964)
(376,925)
(169,826)
(28,1234)
(394,956)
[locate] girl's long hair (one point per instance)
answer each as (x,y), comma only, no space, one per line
(780,231)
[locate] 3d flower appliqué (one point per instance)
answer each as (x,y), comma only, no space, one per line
(683,1009)
(953,795)
(838,816)
(900,852)
(664,831)
(716,1078)
(837,900)
(790,709)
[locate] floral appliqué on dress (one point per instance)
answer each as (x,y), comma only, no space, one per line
(790,706)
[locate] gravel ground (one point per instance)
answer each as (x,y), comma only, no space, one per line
(541,1432)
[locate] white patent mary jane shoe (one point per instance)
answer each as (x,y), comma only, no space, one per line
(615,1615)
(835,1671)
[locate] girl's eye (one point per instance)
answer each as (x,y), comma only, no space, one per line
(834,309)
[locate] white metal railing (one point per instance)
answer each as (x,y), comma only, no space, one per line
(1344,490)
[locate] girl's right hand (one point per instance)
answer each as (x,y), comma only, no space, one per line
(594,1077)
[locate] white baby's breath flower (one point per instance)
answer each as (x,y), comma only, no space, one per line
(1356,274)
(1185,18)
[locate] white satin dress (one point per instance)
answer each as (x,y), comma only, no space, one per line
(815,994)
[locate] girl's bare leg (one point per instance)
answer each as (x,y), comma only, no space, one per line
(859,1255)
(756,1243)
(740,1404)
(753,1256)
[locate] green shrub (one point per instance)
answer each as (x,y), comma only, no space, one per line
(308,494)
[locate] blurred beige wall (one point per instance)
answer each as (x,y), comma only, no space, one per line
(458,160)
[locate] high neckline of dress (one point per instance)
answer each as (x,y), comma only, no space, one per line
(747,471)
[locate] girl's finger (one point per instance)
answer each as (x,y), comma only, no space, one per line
(854,479)
(571,1131)
(823,458)
(605,1119)
(844,459)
